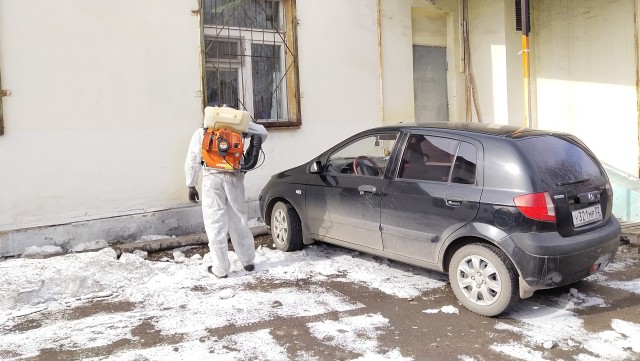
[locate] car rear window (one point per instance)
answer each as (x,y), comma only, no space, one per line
(562,161)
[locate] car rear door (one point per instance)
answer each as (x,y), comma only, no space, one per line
(343,203)
(573,176)
(436,190)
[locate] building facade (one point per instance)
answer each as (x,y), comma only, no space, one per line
(99,100)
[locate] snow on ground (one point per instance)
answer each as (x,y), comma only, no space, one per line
(64,282)
(546,327)
(59,283)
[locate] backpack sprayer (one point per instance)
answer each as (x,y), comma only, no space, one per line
(223,141)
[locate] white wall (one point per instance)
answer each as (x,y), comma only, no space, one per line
(585,56)
(397,61)
(408,22)
(104,97)
(340,87)
(488,59)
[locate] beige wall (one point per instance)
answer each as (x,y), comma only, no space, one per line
(104,98)
(339,84)
(585,68)
(397,61)
(408,22)
(489,53)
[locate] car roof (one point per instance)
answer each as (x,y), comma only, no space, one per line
(508,131)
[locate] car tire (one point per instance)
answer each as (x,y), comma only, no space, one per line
(286,229)
(483,279)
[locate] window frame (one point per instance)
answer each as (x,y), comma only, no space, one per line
(284,37)
(389,167)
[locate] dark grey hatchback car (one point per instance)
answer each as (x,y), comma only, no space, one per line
(503,210)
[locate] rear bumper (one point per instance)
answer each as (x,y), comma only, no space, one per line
(558,260)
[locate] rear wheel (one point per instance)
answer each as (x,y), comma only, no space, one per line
(483,279)
(286,229)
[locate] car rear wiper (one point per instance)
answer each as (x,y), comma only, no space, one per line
(577,181)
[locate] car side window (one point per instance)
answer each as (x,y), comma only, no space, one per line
(464,168)
(427,158)
(366,156)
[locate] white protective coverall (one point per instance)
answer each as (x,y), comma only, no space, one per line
(223,205)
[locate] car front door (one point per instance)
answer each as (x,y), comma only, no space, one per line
(343,201)
(436,191)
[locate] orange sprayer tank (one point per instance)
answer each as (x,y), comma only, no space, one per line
(222,149)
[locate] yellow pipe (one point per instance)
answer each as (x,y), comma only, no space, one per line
(525,79)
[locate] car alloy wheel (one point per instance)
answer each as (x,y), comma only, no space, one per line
(280,227)
(479,280)
(286,229)
(483,279)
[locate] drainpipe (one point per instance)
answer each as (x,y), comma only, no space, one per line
(524,10)
(471,95)
(379,26)
(636,52)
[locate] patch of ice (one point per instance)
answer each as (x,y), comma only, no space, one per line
(254,222)
(466,358)
(319,262)
(619,265)
(96,331)
(358,333)
(449,309)
(258,345)
(42,251)
(519,352)
(432,310)
(541,325)
(90,246)
(575,299)
(153,237)
(179,257)
(391,355)
(631,286)
(140,253)
(443,309)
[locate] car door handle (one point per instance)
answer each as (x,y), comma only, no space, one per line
(366,189)
(454,200)
(453,203)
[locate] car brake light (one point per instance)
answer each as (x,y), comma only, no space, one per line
(538,206)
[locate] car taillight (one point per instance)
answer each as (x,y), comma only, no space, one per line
(538,206)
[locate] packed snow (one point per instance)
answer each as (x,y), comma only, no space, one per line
(44,283)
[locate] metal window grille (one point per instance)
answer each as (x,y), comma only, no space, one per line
(250,58)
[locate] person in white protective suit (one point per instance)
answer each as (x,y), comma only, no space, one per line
(223,204)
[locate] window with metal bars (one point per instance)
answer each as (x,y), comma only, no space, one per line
(250,58)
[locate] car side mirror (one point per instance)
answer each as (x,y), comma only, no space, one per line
(315,167)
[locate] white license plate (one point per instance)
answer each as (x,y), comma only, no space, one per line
(586,216)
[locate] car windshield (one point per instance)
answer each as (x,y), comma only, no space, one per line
(561,161)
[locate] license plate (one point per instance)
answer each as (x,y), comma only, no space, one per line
(586,216)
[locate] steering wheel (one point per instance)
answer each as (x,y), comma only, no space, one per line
(360,166)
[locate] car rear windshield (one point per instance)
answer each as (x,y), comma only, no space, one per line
(562,161)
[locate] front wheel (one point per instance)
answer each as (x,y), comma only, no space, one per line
(483,279)
(286,229)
